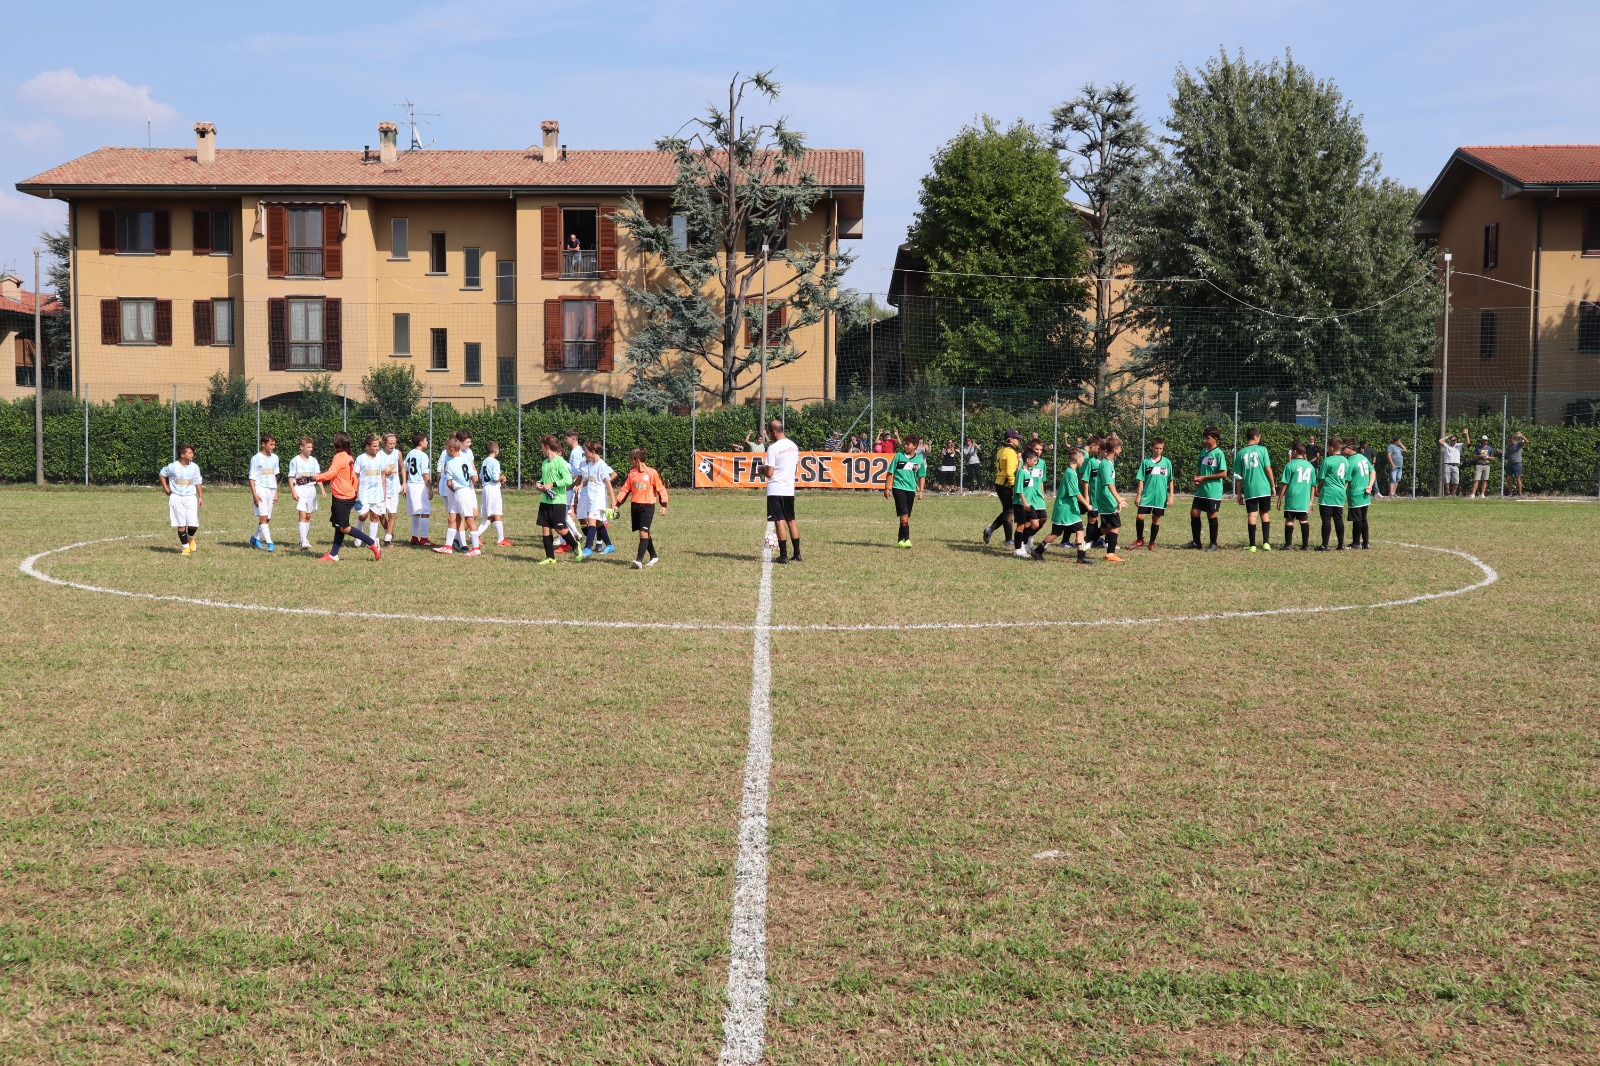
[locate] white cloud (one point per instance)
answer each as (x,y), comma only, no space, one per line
(96,96)
(29,133)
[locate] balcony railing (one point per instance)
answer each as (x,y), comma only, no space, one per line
(581,264)
(305,264)
(580,355)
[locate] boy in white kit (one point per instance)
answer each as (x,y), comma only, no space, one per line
(393,478)
(370,498)
(575,461)
(596,498)
(181,482)
(419,488)
(264,492)
(459,479)
(303,486)
(493,480)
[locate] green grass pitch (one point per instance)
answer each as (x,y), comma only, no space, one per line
(243,836)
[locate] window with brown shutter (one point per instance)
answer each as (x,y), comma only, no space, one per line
(277,241)
(108,232)
(277,334)
(164,323)
(204,323)
(1491,245)
(110,322)
(24,346)
(553,358)
(776,317)
(332,334)
(163,232)
(607,264)
(332,248)
(605,330)
(202,233)
(550,246)
(1591,231)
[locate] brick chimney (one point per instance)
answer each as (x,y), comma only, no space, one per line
(10,287)
(388,150)
(552,134)
(205,142)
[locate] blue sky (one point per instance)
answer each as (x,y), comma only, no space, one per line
(895,79)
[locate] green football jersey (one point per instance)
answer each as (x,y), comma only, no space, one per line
(1298,477)
(1157,477)
(1360,480)
(907,470)
(1213,462)
(1067,511)
(555,472)
(1030,485)
(1104,499)
(1333,479)
(1088,474)
(1251,466)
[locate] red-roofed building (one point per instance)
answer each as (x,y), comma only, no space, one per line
(496,275)
(16,337)
(1522,225)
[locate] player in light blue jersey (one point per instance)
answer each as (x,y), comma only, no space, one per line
(575,461)
(419,488)
(304,487)
(181,481)
(393,479)
(369,490)
(460,478)
(493,481)
(264,491)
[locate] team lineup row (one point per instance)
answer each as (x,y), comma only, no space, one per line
(578,497)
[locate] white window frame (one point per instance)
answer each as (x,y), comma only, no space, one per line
(222,311)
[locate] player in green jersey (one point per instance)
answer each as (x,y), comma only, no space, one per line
(1029,499)
(1066,516)
(1105,499)
(1294,497)
(1332,490)
(1252,468)
(1091,470)
(1154,492)
(909,475)
(1208,482)
(1363,476)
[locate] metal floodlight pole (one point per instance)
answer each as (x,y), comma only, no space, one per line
(764,258)
(1055,432)
(1444,377)
(694,443)
(961,475)
(519,436)
(1327,419)
(38,375)
(174,421)
(1416,422)
(1144,406)
(872,413)
(1505,406)
(1236,420)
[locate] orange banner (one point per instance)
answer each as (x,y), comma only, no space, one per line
(817,470)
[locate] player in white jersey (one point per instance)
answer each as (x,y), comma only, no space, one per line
(438,479)
(459,480)
(370,500)
(493,480)
(596,498)
(575,461)
(393,479)
(303,485)
(264,491)
(181,482)
(419,488)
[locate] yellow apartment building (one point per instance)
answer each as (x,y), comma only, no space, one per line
(1522,226)
(496,275)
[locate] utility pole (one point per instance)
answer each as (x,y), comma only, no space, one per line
(38,375)
(763,337)
(1444,386)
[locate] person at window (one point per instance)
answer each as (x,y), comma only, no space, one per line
(573,245)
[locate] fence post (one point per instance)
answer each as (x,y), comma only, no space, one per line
(1327,417)
(1143,406)
(1055,433)
(85,390)
(605,403)
(961,471)
(1235,420)
(519,436)
(430,427)
(872,413)
(347,407)
(1416,456)
(258,412)
(1505,402)
(174,421)
(694,443)
(783,407)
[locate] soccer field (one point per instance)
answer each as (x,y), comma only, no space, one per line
(449,810)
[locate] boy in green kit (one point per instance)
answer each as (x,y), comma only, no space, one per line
(1294,497)
(1332,491)
(1029,500)
(1066,516)
(1212,472)
(1154,491)
(909,476)
(1105,499)
(1252,467)
(1363,476)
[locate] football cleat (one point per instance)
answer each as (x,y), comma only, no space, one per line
(502,544)
(377,552)
(637,565)
(255,542)
(475,551)
(609,549)
(1113,558)
(330,558)
(270,546)
(550,561)
(987,533)
(1139,543)
(445,549)
(654,559)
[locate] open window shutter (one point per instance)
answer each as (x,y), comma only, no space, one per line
(550,249)
(202,233)
(204,323)
(164,323)
(606,261)
(332,249)
(110,322)
(552,335)
(605,333)
(332,334)
(277,241)
(163,232)
(24,351)
(277,334)
(108,233)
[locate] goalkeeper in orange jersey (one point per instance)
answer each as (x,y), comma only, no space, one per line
(643,487)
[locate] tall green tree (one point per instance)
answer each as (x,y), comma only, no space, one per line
(1306,276)
(57,329)
(739,185)
(1107,152)
(1006,260)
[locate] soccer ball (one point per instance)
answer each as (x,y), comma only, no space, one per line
(771,540)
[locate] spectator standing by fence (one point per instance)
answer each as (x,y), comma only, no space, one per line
(974,460)
(1512,470)
(949,465)
(1450,464)
(1482,460)
(1396,455)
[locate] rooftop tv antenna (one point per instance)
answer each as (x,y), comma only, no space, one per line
(412,114)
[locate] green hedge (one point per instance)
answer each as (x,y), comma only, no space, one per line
(130,441)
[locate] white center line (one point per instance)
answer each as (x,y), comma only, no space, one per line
(744,1022)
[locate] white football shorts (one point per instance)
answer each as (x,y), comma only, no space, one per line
(373,505)
(417,501)
(464,502)
(264,508)
(305,498)
(391,500)
(491,501)
(183,510)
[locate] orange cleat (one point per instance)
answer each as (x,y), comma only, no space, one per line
(1114,558)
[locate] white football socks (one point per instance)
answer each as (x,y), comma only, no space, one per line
(424,527)
(499,530)
(264,532)
(305,532)
(476,542)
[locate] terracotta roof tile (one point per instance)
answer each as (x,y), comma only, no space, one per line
(1537,164)
(23,304)
(275,168)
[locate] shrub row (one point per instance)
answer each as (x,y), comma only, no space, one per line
(130,441)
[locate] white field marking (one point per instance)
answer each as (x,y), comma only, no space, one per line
(28,567)
(744,1022)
